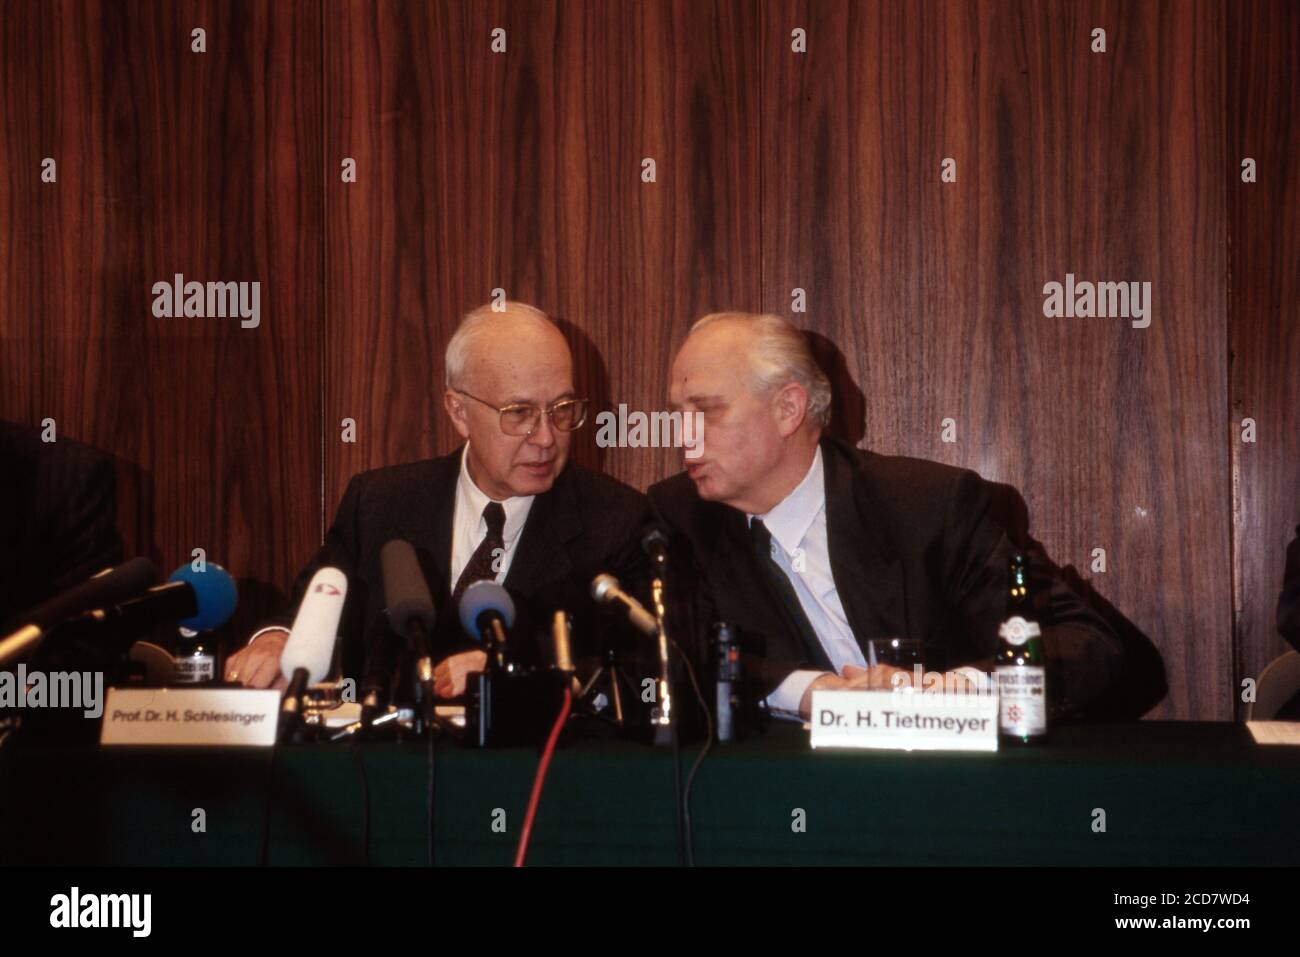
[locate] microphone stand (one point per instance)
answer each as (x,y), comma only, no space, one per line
(609,672)
(418,639)
(665,730)
(291,705)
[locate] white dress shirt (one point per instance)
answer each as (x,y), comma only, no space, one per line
(799,548)
(469,528)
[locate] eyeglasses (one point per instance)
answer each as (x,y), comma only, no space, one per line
(522,418)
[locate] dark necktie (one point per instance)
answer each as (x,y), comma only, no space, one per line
(762,540)
(486,556)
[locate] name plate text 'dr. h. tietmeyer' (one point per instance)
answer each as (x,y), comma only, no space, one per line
(190,716)
(907,721)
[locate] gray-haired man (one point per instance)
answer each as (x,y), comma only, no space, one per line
(810,548)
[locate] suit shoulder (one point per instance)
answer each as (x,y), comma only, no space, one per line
(605,492)
(674,494)
(904,479)
(408,476)
(677,503)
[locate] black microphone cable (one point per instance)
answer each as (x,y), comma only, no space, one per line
(264,845)
(708,746)
(359,763)
(431,797)
(682,821)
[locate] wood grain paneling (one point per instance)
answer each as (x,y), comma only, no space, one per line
(1263,42)
(1068,161)
(171,161)
(775,170)
(522,170)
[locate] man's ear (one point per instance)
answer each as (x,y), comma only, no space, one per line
(790,404)
(455,406)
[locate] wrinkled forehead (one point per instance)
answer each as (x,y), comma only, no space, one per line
(709,364)
(531,367)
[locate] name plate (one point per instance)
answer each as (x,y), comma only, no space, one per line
(191,716)
(904,721)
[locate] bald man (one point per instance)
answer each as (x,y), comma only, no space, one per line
(810,548)
(507,506)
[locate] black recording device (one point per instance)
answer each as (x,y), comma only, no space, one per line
(728,681)
(507,704)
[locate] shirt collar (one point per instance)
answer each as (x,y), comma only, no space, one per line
(789,520)
(473,500)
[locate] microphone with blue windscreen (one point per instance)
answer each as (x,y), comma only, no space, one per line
(215,596)
(486,613)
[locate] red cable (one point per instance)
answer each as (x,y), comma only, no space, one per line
(540,778)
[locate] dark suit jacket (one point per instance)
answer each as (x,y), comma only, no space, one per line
(57,517)
(1288,602)
(914,553)
(585,524)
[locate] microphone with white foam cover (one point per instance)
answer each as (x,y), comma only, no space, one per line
(315,629)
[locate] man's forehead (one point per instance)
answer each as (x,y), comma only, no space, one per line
(509,389)
(700,388)
(707,370)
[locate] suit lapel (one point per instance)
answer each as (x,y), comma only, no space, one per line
(868,575)
(739,573)
(438,522)
(553,522)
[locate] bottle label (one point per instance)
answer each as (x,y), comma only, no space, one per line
(1016,630)
(1022,691)
(196,669)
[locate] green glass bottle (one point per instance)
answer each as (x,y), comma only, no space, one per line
(1019,665)
(196,658)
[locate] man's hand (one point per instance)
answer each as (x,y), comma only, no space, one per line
(879,678)
(257,665)
(882,678)
(450,674)
(828,682)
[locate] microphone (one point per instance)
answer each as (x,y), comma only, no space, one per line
(315,628)
(655,544)
(561,641)
(215,595)
(406,594)
(107,588)
(607,591)
(486,612)
(199,601)
(206,599)
(410,611)
(309,652)
(381,661)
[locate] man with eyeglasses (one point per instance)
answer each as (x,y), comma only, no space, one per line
(506,506)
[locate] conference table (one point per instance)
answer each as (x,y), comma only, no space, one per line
(1147,793)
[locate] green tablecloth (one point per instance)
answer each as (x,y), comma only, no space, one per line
(1172,793)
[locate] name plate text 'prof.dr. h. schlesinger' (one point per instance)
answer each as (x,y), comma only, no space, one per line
(191,716)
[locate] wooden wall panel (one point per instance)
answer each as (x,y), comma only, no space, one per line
(1102,165)
(522,170)
(171,161)
(1263,41)
(775,170)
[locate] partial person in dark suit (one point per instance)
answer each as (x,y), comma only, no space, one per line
(58,512)
(1288,617)
(809,547)
(508,506)
(1288,602)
